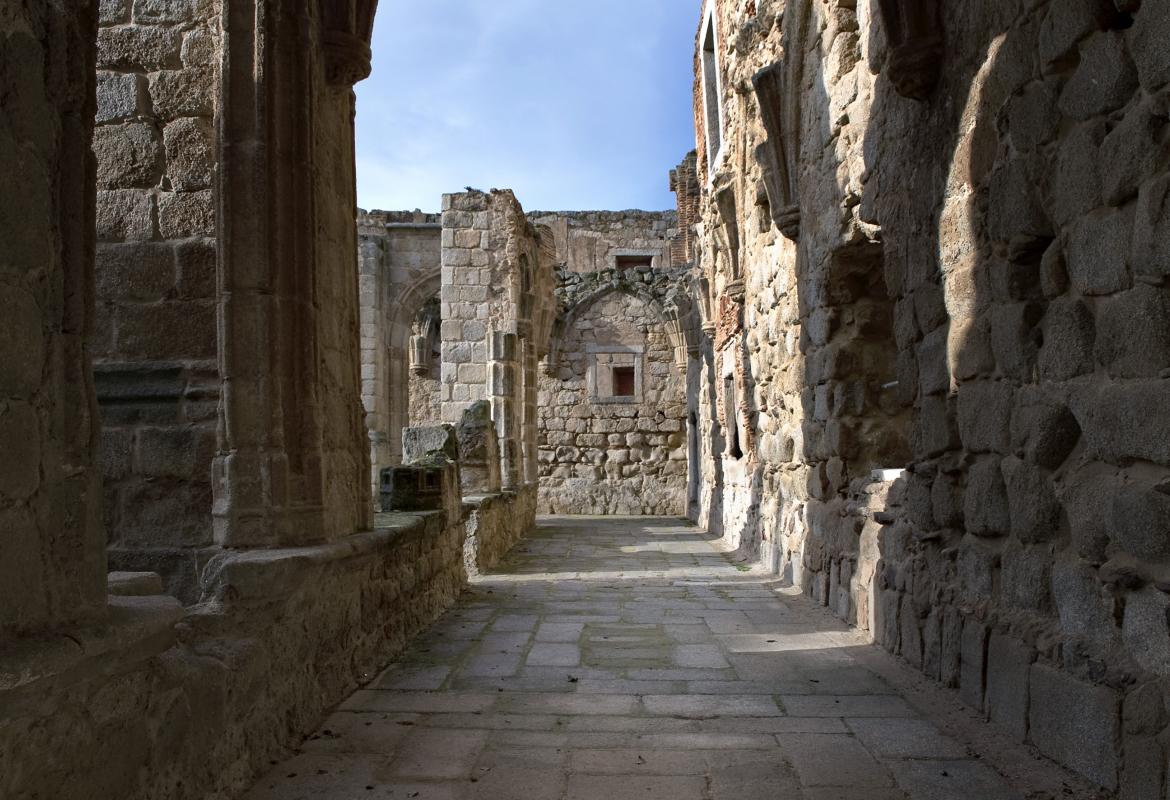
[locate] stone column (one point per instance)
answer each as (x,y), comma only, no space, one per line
(503,383)
(53,570)
(289,298)
(530,378)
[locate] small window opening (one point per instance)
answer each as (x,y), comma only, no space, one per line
(633,262)
(711,100)
(623,381)
(731,415)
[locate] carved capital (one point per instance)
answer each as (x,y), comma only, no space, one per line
(788,221)
(347,58)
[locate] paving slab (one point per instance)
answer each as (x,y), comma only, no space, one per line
(619,659)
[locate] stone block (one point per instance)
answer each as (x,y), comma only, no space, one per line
(119,96)
(124,215)
(1076,182)
(1085,610)
(1131,153)
(1143,773)
(1014,202)
(196,263)
(1060,32)
(1105,77)
(190,146)
(1085,495)
(1147,43)
(128,156)
(1075,724)
(113,12)
(985,416)
(973,664)
(1032,503)
(1133,332)
(162,11)
(1151,237)
(186,92)
(1098,252)
(1146,627)
(1129,421)
(199,49)
(144,48)
(135,271)
(178,452)
(185,214)
(1014,339)
(1009,662)
(976,566)
(1044,431)
(426,443)
(1069,333)
(1032,118)
(985,503)
(22,342)
(1025,578)
(20,442)
(167,331)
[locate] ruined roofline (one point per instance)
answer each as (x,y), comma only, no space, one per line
(602,212)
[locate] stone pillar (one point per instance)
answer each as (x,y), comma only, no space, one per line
(531,475)
(479,453)
(290,416)
(53,571)
(503,384)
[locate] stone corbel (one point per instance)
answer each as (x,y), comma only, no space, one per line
(728,209)
(346,29)
(778,156)
(915,36)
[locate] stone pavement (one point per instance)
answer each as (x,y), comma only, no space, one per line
(613,658)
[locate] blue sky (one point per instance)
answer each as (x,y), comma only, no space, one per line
(574,105)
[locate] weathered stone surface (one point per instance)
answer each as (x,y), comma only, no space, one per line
(1133,332)
(125,215)
(128,156)
(1138,519)
(189,146)
(1105,77)
(1098,252)
(1009,663)
(1075,723)
(1127,421)
(1035,512)
(119,96)
(985,416)
(1151,240)
(1146,629)
(137,47)
(985,504)
(1044,430)
(427,443)
(1150,29)
(1069,334)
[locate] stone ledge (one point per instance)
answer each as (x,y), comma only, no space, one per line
(135,629)
(249,575)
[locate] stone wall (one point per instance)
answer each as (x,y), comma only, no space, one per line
(951,260)
(53,569)
(155,333)
(586,241)
(492,527)
(399,254)
(152,711)
(606,454)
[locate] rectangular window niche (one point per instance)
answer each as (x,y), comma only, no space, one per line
(615,373)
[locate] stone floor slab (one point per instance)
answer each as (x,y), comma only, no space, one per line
(627,659)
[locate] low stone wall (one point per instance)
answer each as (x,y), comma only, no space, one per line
(142,708)
(494,524)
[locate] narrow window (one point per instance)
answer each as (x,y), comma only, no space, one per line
(632,262)
(731,415)
(623,382)
(711,100)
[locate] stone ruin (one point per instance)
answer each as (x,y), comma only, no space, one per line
(905,342)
